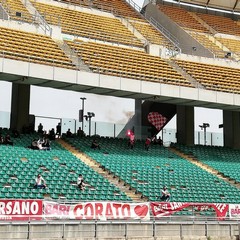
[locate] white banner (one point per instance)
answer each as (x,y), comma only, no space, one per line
(234,211)
(97,210)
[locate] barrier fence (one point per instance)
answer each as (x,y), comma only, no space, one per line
(37,210)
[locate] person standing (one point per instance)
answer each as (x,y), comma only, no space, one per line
(40,128)
(58,130)
(147,143)
(131,140)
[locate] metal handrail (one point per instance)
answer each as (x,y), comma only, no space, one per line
(4,54)
(156,25)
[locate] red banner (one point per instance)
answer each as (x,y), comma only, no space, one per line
(234,211)
(161,209)
(14,209)
(97,210)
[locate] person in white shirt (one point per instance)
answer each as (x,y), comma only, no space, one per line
(165,195)
(80,182)
(40,182)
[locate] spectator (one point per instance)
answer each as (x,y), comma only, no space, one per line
(39,144)
(165,195)
(80,182)
(15,133)
(59,130)
(95,144)
(40,182)
(52,134)
(46,144)
(1,139)
(80,132)
(8,140)
(147,143)
(131,140)
(40,128)
(69,133)
(34,144)
(160,141)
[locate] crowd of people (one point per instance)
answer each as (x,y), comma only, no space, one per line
(148,141)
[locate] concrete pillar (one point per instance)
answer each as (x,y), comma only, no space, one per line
(185,125)
(138,119)
(231,129)
(20,106)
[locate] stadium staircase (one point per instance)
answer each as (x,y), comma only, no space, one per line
(192,80)
(209,28)
(136,197)
(76,60)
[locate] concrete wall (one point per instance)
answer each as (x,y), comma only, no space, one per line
(89,230)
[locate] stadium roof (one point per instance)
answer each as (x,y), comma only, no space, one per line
(232,5)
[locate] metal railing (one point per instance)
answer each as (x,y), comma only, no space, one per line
(25,17)
(33,59)
(93,229)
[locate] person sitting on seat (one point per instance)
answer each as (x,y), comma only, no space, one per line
(8,140)
(80,132)
(69,133)
(80,182)
(37,144)
(165,195)
(15,133)
(46,144)
(52,134)
(95,144)
(1,139)
(40,182)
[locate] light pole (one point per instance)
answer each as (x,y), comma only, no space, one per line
(203,127)
(83,99)
(89,117)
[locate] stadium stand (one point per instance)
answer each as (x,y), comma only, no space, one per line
(17,11)
(31,47)
(221,24)
(149,171)
(232,44)
(126,62)
(88,25)
(20,166)
(94,38)
(150,33)
(118,8)
(182,18)
(212,77)
(222,159)
(205,40)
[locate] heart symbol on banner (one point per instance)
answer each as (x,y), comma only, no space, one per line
(157,120)
(141,210)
